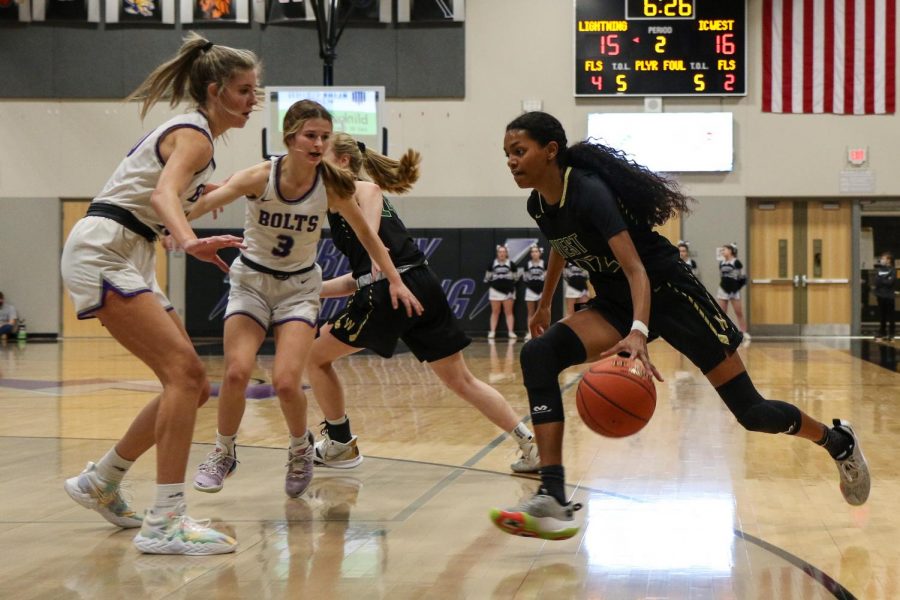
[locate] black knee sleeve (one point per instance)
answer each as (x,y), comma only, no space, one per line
(754,412)
(542,360)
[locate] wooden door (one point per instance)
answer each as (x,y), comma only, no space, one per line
(671,229)
(72,327)
(828,265)
(771,267)
(800,255)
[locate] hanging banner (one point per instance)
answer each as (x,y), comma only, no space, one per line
(79,11)
(140,11)
(15,11)
(430,11)
(215,11)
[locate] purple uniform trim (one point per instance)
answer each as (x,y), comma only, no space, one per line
(162,136)
(246,314)
(278,186)
(302,320)
(107,286)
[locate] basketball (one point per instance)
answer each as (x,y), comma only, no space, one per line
(616,397)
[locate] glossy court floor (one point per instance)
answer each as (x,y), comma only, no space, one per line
(691,507)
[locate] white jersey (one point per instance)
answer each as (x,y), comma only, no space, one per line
(137,175)
(283,234)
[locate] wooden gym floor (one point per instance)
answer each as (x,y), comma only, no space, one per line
(691,507)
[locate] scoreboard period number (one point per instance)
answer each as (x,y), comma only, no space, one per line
(660,47)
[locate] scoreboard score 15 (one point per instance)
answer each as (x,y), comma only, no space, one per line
(660,48)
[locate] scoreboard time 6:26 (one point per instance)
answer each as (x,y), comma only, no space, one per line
(660,47)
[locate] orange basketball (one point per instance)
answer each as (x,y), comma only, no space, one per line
(616,397)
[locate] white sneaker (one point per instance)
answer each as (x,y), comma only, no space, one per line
(90,491)
(540,516)
(338,455)
(854,470)
(177,533)
(529,461)
(513,336)
(491,335)
(528,337)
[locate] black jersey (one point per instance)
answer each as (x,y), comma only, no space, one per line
(502,276)
(393,234)
(587,215)
(534,275)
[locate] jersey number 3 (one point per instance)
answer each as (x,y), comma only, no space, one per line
(285,243)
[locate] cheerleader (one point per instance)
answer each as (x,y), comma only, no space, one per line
(576,284)
(533,275)
(684,253)
(501,277)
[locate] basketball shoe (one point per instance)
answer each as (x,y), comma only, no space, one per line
(299,468)
(540,516)
(338,455)
(854,470)
(213,471)
(90,491)
(177,533)
(530,461)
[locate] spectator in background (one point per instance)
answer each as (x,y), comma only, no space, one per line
(885,282)
(9,318)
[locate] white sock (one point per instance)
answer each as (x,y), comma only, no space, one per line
(340,421)
(522,434)
(300,443)
(112,467)
(168,496)
(226,443)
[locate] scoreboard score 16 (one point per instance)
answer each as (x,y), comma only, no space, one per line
(660,47)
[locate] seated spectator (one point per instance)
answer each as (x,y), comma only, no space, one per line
(8,318)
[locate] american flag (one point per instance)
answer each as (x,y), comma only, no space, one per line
(829,56)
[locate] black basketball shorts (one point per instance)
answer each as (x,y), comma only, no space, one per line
(369,320)
(682,312)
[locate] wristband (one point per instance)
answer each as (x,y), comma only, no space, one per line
(641,327)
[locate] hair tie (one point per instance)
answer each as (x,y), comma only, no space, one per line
(207,47)
(361,146)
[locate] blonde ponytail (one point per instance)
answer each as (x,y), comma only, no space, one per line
(198,63)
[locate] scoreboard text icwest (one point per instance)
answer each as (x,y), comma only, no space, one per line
(660,47)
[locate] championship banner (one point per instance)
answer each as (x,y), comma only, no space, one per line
(140,11)
(215,11)
(15,11)
(73,11)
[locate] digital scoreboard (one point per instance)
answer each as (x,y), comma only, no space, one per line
(660,47)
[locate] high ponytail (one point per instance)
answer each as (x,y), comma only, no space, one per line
(394,176)
(197,64)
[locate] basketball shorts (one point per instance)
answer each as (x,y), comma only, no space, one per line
(100,254)
(498,296)
(531,296)
(369,321)
(272,301)
(682,312)
(573,293)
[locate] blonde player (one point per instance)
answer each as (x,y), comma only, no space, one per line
(108,265)
(276,282)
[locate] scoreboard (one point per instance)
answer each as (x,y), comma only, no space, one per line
(660,47)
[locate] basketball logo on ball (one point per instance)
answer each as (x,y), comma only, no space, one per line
(616,397)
